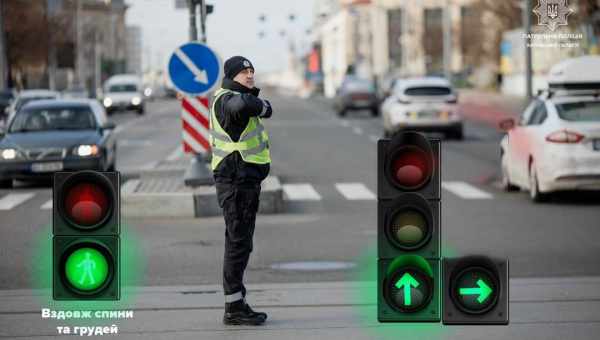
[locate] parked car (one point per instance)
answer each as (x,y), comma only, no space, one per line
(27,96)
(124,92)
(54,135)
(356,94)
(427,104)
(556,143)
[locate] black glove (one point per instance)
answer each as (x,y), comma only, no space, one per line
(267,110)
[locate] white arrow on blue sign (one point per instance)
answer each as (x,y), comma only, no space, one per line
(194,69)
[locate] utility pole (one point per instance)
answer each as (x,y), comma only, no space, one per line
(528,62)
(3,51)
(79,50)
(447,49)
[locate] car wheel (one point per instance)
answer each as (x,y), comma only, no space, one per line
(506,184)
(374,112)
(456,134)
(140,111)
(341,112)
(534,189)
(6,183)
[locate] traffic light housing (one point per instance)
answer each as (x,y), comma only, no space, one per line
(86,242)
(408,229)
(476,291)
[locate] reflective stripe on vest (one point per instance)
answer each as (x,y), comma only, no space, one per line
(253,144)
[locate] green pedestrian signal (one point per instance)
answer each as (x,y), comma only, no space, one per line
(86,242)
(477,291)
(408,228)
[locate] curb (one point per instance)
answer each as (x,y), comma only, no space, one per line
(198,202)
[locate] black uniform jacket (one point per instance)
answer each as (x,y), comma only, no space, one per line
(233,112)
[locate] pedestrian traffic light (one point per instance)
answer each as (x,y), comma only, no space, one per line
(408,229)
(86,227)
(476,291)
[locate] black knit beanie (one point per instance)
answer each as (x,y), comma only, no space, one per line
(235,65)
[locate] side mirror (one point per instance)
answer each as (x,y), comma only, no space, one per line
(507,124)
(109,126)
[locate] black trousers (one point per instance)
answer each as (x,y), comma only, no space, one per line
(240,204)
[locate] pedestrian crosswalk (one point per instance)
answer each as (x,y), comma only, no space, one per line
(349,191)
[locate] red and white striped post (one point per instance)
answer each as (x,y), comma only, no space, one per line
(195,118)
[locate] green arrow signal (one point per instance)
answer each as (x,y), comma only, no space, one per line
(483,291)
(407,281)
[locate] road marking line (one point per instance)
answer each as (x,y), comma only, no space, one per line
(12,200)
(465,190)
(175,154)
(344,123)
(300,192)
(357,130)
(134,142)
(47,205)
(355,191)
(129,186)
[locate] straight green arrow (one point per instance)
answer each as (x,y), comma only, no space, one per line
(483,291)
(407,281)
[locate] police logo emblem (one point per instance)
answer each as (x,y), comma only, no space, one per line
(552,13)
(246,63)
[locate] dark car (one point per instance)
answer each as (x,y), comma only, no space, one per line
(6,97)
(56,135)
(356,94)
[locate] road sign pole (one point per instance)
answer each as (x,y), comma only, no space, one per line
(203,20)
(193,27)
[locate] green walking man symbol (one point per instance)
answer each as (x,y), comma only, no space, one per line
(88,266)
(86,269)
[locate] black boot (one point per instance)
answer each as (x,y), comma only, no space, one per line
(239,313)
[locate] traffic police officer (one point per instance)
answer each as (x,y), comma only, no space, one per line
(240,161)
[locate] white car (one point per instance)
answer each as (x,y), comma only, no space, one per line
(556,143)
(423,104)
(124,92)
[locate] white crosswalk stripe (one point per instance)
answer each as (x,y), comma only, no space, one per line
(355,191)
(465,190)
(47,205)
(300,192)
(12,200)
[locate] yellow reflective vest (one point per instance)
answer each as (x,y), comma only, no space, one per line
(253,144)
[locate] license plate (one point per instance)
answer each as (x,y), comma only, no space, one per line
(428,114)
(47,167)
(597,144)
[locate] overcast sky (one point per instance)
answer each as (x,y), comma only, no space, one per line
(232,29)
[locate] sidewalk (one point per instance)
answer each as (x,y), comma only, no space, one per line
(490,107)
(548,308)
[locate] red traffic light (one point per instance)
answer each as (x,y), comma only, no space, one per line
(86,200)
(411,168)
(86,204)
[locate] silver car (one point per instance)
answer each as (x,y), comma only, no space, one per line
(427,104)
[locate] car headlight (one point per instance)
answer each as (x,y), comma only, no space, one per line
(86,150)
(136,100)
(8,154)
(107,102)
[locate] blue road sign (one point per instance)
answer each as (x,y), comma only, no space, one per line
(194,68)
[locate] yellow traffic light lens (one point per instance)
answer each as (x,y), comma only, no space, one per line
(409,229)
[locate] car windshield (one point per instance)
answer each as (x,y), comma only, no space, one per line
(359,85)
(122,88)
(56,118)
(25,100)
(428,91)
(579,112)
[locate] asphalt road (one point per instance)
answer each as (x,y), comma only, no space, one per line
(328,168)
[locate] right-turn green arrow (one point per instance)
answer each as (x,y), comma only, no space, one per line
(407,281)
(483,291)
